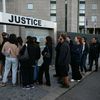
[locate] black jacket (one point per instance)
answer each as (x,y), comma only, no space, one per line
(94,50)
(47,60)
(76,53)
(64,54)
(32,54)
(57,52)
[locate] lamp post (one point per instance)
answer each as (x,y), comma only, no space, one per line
(4,11)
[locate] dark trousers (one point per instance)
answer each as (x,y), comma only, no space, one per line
(44,69)
(75,71)
(83,63)
(91,63)
(27,75)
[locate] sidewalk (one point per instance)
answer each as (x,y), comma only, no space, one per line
(38,93)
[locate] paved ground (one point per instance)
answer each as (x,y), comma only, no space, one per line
(38,93)
(88,89)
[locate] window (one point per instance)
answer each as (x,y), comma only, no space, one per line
(65,1)
(52,0)
(82,6)
(30,6)
(82,11)
(81,18)
(81,23)
(53,18)
(93,18)
(82,0)
(53,11)
(94,6)
(53,6)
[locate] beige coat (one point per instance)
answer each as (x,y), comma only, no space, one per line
(11,49)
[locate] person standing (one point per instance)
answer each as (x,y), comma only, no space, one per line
(3,39)
(47,57)
(57,49)
(26,66)
(76,54)
(94,53)
(85,50)
(38,55)
(64,60)
(10,50)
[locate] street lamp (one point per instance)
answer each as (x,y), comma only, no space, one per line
(4,11)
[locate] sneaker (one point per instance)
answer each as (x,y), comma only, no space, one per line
(72,80)
(78,80)
(2,84)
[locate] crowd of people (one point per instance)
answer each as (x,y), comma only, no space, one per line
(14,55)
(74,54)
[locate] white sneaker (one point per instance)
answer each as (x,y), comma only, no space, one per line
(78,80)
(72,80)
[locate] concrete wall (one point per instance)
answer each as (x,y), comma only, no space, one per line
(60,15)
(72,16)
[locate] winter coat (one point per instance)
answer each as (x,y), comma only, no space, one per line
(94,50)
(76,53)
(64,54)
(47,55)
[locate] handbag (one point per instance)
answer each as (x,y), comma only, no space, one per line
(25,56)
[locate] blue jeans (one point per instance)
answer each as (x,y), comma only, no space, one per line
(10,62)
(83,63)
(36,71)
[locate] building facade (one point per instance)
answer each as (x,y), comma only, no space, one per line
(51,10)
(82,16)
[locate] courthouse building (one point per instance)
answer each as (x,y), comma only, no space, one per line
(82,16)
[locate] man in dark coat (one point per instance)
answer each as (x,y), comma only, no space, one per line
(94,53)
(64,60)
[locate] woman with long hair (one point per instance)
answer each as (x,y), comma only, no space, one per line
(47,57)
(76,54)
